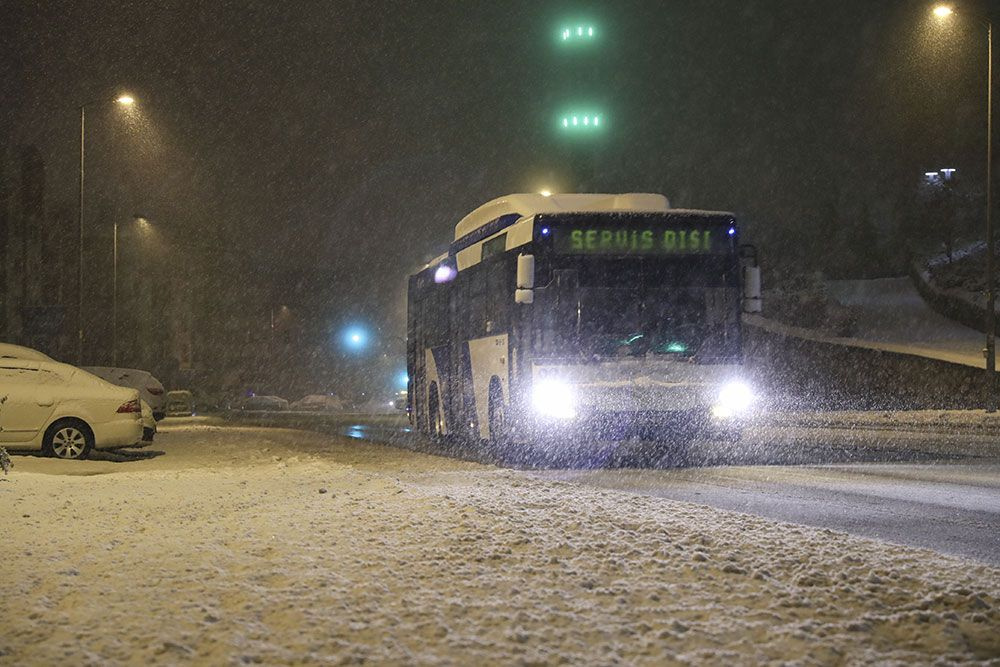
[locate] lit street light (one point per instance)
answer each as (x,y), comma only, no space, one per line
(124,100)
(355,339)
(944,11)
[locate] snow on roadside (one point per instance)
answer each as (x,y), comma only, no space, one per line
(434,561)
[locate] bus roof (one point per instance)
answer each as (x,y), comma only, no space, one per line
(528,204)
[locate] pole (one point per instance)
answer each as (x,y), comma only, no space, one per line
(79,275)
(114,302)
(991,320)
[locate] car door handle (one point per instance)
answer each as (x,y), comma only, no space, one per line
(46,401)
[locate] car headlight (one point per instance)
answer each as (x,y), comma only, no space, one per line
(734,398)
(554,398)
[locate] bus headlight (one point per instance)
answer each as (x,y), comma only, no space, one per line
(734,399)
(554,398)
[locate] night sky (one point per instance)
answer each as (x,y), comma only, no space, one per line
(353,135)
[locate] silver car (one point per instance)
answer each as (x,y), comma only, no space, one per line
(150,389)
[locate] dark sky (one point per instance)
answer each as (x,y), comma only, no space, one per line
(354,134)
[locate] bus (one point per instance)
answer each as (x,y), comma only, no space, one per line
(553,322)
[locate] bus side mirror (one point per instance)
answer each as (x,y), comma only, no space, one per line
(525,289)
(751,280)
(751,290)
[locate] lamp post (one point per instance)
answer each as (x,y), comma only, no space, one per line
(114,291)
(944,11)
(124,100)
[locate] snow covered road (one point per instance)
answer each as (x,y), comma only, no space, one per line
(950,508)
(241,545)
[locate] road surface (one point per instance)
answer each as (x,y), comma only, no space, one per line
(226,544)
(926,488)
(937,487)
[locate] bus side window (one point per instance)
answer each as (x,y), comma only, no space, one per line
(495,246)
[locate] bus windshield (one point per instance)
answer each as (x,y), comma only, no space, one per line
(602,307)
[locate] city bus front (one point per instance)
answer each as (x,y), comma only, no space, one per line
(634,331)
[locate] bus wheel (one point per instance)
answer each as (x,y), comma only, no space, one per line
(499,427)
(436,425)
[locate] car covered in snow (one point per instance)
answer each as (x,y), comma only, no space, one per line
(266,403)
(148,422)
(150,389)
(319,403)
(11,351)
(64,411)
(180,403)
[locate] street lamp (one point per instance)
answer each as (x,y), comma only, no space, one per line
(944,11)
(139,220)
(124,100)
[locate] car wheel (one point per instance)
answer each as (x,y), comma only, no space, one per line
(68,439)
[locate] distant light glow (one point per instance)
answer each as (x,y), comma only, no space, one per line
(577,34)
(545,231)
(943,11)
(732,231)
(403,379)
(545,193)
(581,121)
(355,338)
(127,100)
(676,346)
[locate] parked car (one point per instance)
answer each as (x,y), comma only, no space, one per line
(264,403)
(63,410)
(180,403)
(319,403)
(148,422)
(11,351)
(150,389)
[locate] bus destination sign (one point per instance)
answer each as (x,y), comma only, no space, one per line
(616,240)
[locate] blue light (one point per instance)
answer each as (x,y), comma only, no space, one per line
(403,379)
(355,338)
(545,231)
(732,231)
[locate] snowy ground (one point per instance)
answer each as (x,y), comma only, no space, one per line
(892,315)
(245,545)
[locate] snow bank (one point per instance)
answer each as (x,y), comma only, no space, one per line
(312,549)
